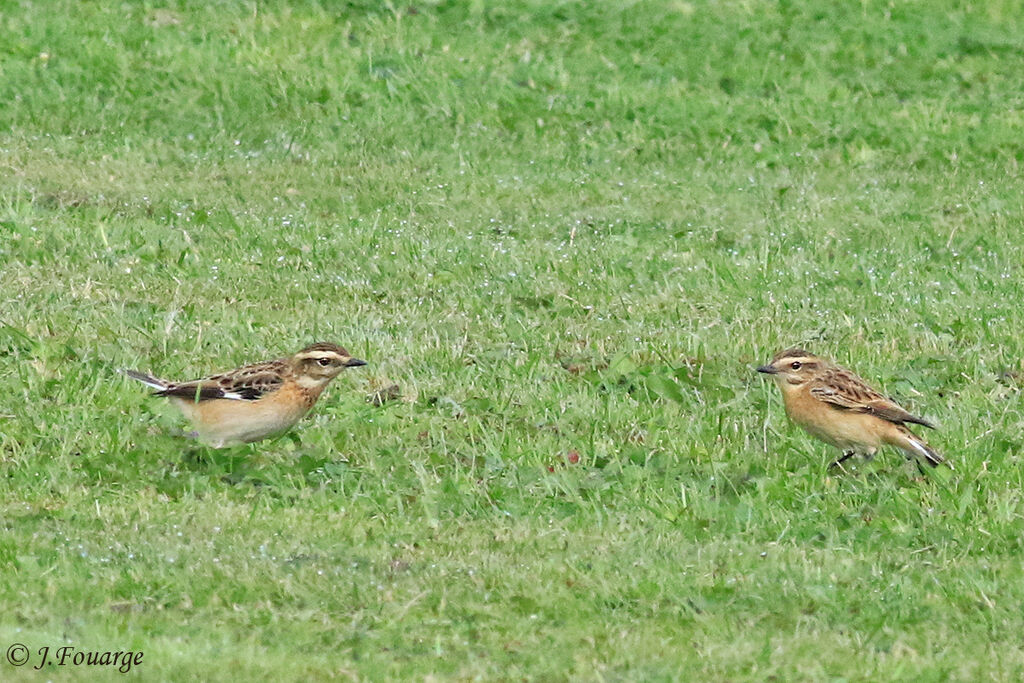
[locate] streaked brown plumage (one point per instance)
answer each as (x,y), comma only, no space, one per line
(255,401)
(838,407)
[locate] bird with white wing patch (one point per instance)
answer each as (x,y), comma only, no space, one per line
(255,401)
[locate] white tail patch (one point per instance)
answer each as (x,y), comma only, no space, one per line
(923,449)
(919,447)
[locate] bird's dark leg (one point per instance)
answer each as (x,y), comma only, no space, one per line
(839,463)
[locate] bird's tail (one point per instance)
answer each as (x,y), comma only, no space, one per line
(148,380)
(917,447)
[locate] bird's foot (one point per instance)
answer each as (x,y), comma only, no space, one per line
(839,463)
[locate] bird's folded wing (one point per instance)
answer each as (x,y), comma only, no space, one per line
(860,398)
(245,384)
(199,390)
(840,398)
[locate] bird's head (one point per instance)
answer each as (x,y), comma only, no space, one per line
(792,366)
(321,362)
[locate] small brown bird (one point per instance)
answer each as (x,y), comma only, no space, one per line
(838,407)
(255,401)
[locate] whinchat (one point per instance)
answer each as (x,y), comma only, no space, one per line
(838,407)
(255,401)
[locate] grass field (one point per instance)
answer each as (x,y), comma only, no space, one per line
(559,228)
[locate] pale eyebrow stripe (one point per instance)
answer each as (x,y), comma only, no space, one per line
(318,354)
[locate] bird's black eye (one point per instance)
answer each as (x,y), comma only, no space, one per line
(324,361)
(796,365)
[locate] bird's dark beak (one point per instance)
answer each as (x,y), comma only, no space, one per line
(768,370)
(354,363)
